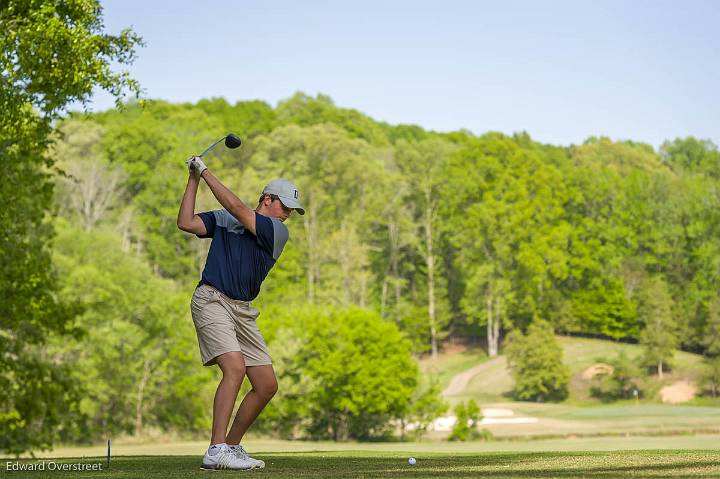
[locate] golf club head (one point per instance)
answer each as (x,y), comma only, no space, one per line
(232,141)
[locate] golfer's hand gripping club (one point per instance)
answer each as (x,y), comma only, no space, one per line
(196,165)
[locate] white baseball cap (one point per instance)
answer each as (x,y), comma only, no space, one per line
(287,192)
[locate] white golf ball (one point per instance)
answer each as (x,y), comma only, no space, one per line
(412,461)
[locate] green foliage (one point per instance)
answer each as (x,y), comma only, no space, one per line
(137,363)
(421,165)
(620,215)
(52,54)
(511,199)
(246,118)
(535,361)
(147,143)
(692,155)
(565,234)
(624,382)
(426,405)
(711,336)
(710,379)
(44,402)
(604,309)
(341,179)
(367,373)
(304,110)
(439,234)
(468,418)
(659,337)
(406,132)
(349,373)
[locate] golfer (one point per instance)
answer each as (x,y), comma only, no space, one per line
(245,245)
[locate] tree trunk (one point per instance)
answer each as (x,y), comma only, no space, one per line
(430,260)
(496,325)
(341,428)
(660,369)
(383,295)
(140,396)
(88,191)
(363,291)
(125,226)
(346,265)
(394,247)
(97,192)
(493,326)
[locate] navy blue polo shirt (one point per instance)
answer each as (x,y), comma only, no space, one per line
(239,261)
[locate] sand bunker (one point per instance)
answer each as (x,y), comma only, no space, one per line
(678,392)
(596,369)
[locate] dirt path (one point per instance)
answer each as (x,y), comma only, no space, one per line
(460,381)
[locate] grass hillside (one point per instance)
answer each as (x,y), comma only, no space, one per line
(452,361)
(488,382)
(493,381)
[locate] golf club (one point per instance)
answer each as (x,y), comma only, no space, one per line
(231,141)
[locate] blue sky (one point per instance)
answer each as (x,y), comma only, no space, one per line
(560,70)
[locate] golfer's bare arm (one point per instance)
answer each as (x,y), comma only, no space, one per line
(187,220)
(230,202)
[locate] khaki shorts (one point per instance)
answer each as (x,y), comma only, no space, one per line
(224,324)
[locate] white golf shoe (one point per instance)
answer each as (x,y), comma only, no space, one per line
(241,453)
(226,458)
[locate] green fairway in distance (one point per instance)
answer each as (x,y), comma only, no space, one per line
(658,463)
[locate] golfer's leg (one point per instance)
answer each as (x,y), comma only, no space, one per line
(232,365)
(264,387)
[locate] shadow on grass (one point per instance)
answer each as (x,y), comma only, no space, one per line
(348,464)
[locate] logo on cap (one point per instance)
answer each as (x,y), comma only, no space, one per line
(296,194)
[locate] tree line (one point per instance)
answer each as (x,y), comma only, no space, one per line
(439,233)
